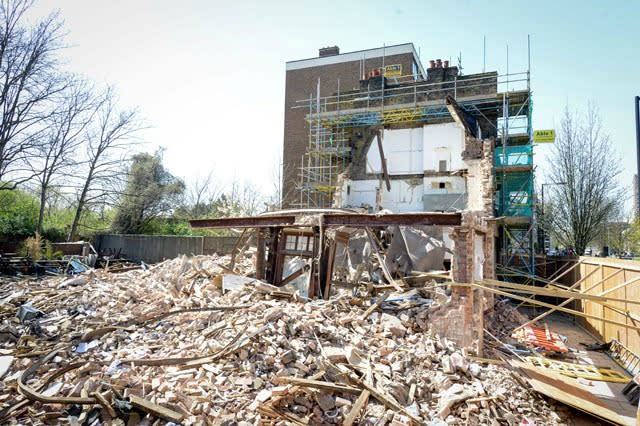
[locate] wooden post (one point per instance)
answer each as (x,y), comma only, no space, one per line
(260,253)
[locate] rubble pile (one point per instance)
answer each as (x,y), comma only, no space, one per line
(504,317)
(170,345)
(500,320)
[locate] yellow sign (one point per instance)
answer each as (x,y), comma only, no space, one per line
(544,136)
(393,70)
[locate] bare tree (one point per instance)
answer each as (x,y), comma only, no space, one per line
(109,137)
(244,199)
(64,136)
(280,193)
(585,170)
(29,81)
(200,194)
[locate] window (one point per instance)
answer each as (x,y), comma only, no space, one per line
(441,185)
(291,242)
(300,243)
(303,243)
(442,166)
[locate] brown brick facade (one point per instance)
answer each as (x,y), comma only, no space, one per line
(302,84)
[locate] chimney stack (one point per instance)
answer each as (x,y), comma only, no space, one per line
(439,71)
(329,51)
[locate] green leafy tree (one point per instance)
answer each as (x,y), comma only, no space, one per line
(18,213)
(151,192)
(633,236)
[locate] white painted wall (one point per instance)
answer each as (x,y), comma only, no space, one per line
(360,192)
(448,242)
(412,151)
(443,142)
(474,183)
(402,149)
(404,196)
(478,254)
(453,185)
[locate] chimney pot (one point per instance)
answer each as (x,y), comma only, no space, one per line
(446,64)
(432,63)
(439,63)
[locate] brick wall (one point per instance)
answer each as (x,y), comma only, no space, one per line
(300,84)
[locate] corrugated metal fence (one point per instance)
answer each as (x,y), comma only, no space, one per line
(155,248)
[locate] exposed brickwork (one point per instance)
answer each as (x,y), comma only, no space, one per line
(301,84)
(467,302)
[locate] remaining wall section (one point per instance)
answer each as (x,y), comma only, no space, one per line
(402,150)
(612,274)
(443,142)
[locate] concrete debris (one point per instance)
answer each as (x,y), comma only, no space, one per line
(170,344)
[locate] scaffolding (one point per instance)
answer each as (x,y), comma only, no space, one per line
(324,161)
(501,102)
(515,189)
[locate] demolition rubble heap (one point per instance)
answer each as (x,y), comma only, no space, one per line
(170,345)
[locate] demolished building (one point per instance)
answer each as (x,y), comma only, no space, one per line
(371,303)
(373,129)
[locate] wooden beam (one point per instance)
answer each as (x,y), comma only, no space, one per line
(294,275)
(374,246)
(619,286)
(566,302)
(319,384)
(389,402)
(383,161)
(244,222)
(577,283)
(543,291)
(548,281)
(382,220)
(554,307)
(155,409)
(375,306)
(360,403)
(236,246)
(621,311)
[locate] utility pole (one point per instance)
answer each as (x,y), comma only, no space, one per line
(637,194)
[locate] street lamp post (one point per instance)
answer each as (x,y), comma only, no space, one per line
(542,211)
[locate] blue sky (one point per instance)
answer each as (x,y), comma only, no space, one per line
(209,75)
